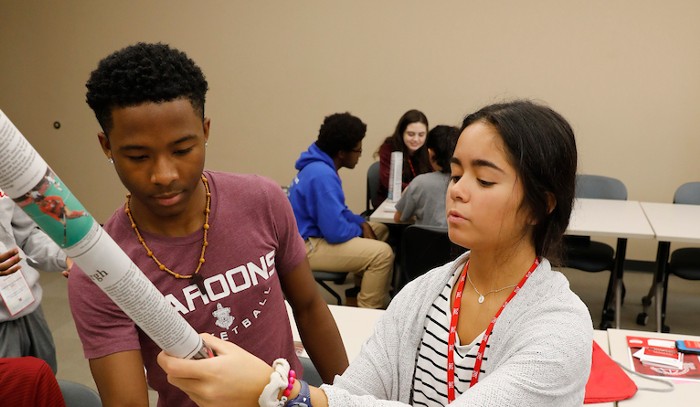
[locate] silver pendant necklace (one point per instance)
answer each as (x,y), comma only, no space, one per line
(482,296)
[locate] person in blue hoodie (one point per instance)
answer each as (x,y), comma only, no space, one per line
(338,240)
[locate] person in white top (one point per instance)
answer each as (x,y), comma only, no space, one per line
(496,327)
(25,249)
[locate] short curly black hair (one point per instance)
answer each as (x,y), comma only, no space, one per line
(142,73)
(340,132)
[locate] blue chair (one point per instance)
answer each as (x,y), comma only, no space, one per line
(79,395)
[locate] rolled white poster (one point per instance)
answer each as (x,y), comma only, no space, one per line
(29,181)
(395,176)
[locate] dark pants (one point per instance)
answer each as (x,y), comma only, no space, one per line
(28,336)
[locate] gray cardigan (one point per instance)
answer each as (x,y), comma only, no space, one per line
(540,349)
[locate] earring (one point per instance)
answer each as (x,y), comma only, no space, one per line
(111,161)
(206,144)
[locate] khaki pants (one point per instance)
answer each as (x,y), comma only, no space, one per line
(370,260)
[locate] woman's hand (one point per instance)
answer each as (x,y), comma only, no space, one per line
(9,262)
(232,378)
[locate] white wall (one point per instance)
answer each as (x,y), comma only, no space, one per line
(625,73)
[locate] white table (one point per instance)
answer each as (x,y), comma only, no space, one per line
(684,393)
(671,223)
(589,217)
(385,213)
(355,326)
(599,217)
(601,337)
(674,222)
(611,218)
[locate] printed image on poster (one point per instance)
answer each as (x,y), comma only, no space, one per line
(53,207)
(29,181)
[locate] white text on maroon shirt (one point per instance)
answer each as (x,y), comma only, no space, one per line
(225,284)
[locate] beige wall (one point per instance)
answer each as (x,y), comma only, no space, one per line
(625,73)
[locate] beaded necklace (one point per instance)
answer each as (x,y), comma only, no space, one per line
(196,277)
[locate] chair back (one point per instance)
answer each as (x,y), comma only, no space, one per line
(337,277)
(600,187)
(581,252)
(584,254)
(424,248)
(688,193)
(372,186)
(683,262)
(78,395)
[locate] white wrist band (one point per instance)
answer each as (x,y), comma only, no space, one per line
(279,380)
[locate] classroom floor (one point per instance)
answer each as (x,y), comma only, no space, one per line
(682,313)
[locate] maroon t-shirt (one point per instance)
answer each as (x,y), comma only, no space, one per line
(253,239)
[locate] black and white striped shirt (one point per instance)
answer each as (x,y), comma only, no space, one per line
(430,378)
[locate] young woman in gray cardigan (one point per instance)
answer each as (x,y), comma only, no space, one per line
(496,327)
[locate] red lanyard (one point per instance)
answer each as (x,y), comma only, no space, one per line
(410,164)
(487,334)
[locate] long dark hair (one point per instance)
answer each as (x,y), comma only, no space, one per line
(421,163)
(541,147)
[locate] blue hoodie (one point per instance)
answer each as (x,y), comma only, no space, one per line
(318,201)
